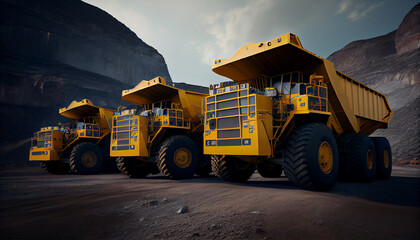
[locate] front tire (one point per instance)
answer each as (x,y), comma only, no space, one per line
(133,167)
(269,170)
(311,157)
(232,169)
(86,158)
(204,168)
(55,167)
(178,157)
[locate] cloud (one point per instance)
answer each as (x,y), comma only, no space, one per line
(254,21)
(356,10)
(362,11)
(231,27)
(344,6)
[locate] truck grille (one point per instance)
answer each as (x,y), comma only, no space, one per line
(40,144)
(123,126)
(226,112)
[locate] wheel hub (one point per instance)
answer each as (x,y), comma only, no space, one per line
(183,157)
(386,158)
(89,159)
(325,157)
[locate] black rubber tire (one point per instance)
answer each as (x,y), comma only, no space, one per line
(55,167)
(110,163)
(269,170)
(383,171)
(166,158)
(232,169)
(77,164)
(344,148)
(133,167)
(301,164)
(358,158)
(204,168)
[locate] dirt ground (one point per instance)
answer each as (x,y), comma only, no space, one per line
(36,205)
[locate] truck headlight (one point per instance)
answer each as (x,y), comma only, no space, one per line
(211,143)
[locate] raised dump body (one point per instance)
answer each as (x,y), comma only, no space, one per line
(164,128)
(357,108)
(156,90)
(279,89)
(100,117)
(80,145)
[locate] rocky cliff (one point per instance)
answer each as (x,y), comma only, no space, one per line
(391,65)
(78,34)
(53,52)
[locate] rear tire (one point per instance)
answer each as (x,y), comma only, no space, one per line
(178,157)
(269,170)
(86,158)
(55,167)
(383,157)
(232,169)
(132,167)
(362,158)
(311,157)
(344,149)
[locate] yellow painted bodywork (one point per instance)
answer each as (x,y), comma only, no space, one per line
(62,138)
(345,105)
(351,101)
(179,110)
(256,130)
(53,137)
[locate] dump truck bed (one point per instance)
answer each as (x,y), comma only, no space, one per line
(358,108)
(85,108)
(156,90)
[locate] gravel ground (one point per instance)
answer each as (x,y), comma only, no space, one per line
(36,205)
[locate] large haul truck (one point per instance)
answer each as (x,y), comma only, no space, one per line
(82,145)
(163,132)
(290,109)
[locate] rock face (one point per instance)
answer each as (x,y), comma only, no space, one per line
(77,34)
(54,52)
(391,65)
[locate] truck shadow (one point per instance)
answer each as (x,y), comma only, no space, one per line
(403,191)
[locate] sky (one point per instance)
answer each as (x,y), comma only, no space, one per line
(191,34)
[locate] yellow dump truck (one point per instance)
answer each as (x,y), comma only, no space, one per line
(290,109)
(164,129)
(82,145)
